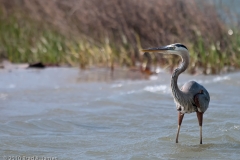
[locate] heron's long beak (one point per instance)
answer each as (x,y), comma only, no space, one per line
(157,49)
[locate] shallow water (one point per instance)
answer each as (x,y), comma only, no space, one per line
(72,114)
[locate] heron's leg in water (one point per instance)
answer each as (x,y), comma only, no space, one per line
(180,118)
(200,120)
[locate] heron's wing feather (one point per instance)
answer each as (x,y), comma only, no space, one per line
(202,102)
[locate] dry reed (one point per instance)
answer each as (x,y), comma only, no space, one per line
(128,25)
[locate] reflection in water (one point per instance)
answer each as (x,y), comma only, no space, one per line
(69,113)
(106,75)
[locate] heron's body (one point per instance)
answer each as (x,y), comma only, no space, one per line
(192,97)
(191,89)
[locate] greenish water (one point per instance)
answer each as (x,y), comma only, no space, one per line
(72,114)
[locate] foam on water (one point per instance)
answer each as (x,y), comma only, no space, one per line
(157,88)
(221,78)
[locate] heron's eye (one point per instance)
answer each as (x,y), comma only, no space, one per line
(172,48)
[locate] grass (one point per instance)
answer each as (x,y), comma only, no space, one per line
(213,59)
(28,42)
(25,39)
(31,42)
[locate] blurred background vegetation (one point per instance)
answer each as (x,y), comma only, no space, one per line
(111,33)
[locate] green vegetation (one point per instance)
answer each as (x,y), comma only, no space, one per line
(30,41)
(106,41)
(216,59)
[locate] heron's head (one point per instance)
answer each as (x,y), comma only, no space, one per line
(176,48)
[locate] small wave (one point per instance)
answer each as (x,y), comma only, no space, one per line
(12,86)
(153,78)
(131,92)
(217,79)
(3,96)
(116,85)
(236,127)
(156,88)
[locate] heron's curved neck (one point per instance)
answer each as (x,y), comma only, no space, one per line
(181,68)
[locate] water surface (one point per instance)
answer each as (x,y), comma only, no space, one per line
(72,114)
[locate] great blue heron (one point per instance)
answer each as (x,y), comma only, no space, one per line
(192,97)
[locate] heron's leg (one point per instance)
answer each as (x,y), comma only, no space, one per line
(200,120)
(180,118)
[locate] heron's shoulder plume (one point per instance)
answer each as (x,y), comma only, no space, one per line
(180,45)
